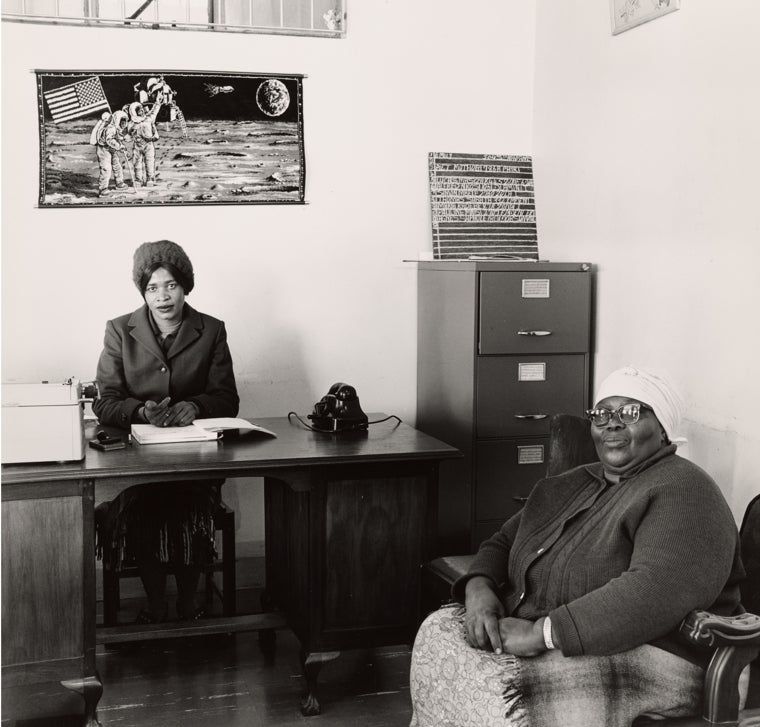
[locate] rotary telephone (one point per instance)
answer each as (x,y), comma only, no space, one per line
(339,411)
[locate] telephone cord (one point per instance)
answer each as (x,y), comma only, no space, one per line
(330,431)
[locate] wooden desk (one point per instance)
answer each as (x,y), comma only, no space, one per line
(349,520)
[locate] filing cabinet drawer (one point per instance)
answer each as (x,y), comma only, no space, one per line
(534,312)
(506,473)
(516,395)
(489,387)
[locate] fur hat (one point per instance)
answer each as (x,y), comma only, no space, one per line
(163,251)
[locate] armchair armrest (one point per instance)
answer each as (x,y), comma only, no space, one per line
(708,629)
(736,640)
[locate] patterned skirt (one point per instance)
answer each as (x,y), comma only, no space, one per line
(171,522)
(455,685)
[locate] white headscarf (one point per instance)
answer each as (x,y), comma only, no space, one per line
(648,387)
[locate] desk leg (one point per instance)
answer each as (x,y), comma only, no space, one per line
(312,665)
(343,551)
(91,688)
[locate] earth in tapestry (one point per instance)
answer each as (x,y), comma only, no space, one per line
(483,206)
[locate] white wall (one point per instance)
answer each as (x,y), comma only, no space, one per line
(311,294)
(647,150)
(646,147)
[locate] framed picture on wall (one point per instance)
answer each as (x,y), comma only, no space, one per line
(146,138)
(627,14)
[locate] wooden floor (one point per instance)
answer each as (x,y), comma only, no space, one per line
(226,680)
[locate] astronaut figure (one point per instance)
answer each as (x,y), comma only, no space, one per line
(142,128)
(109,137)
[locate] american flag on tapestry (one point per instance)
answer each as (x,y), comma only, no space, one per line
(76,99)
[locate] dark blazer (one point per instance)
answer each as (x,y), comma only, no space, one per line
(133,368)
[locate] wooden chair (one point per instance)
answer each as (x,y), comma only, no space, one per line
(736,639)
(224,522)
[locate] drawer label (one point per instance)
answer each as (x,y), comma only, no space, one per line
(535,288)
(530,454)
(531,372)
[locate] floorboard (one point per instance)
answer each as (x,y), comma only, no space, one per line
(228,681)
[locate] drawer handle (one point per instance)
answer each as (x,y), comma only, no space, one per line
(520,499)
(534,333)
(531,416)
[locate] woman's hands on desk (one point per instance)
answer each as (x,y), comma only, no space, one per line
(155,413)
(161,414)
(181,414)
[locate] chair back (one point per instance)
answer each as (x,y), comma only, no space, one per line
(750,545)
(570,443)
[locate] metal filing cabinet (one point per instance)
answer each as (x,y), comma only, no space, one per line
(501,347)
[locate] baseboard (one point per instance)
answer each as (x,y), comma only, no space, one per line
(250,549)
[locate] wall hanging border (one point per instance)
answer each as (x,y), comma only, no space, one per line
(152,138)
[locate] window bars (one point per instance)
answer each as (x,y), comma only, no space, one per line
(319,18)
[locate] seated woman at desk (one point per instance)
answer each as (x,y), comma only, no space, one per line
(164,364)
(572,608)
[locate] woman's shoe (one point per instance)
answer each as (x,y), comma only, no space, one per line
(146,617)
(196,615)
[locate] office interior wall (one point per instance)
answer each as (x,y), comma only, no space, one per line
(646,152)
(311,294)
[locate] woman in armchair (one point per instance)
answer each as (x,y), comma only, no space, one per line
(571,610)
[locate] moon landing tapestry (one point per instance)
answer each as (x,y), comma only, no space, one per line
(144,138)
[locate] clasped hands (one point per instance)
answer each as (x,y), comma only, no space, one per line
(488,628)
(165,414)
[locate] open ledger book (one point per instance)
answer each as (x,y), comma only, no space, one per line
(201,430)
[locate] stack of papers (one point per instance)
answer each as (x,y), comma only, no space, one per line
(201,430)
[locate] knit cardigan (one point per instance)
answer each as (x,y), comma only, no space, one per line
(620,565)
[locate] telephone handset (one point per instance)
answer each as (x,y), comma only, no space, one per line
(339,411)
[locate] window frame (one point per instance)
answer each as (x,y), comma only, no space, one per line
(209,26)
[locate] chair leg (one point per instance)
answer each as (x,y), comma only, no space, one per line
(721,683)
(111,597)
(209,590)
(229,585)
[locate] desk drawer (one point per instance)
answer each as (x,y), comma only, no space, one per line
(516,395)
(506,472)
(534,312)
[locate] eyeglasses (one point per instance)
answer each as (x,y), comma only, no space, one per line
(626,414)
